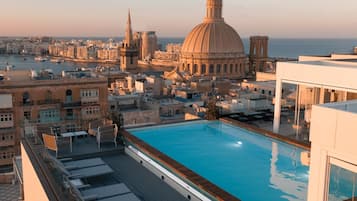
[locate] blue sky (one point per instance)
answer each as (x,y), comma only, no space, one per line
(275,18)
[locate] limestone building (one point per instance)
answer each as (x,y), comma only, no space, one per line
(149,44)
(258,54)
(129,51)
(146,42)
(213,48)
(28,100)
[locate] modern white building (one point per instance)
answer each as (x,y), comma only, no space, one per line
(330,80)
(333,170)
(333,167)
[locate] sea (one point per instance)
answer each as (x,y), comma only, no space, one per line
(278,48)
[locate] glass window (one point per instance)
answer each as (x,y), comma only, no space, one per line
(342,185)
(231,68)
(27,115)
(225,68)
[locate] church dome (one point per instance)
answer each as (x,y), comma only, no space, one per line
(213,48)
(212,38)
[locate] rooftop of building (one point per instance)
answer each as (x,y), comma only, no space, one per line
(126,170)
(26,77)
(350,106)
(346,63)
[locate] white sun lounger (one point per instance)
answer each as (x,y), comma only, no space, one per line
(125,197)
(89,172)
(78,164)
(104,191)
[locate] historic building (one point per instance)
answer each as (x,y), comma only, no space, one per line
(258,54)
(28,100)
(129,51)
(213,48)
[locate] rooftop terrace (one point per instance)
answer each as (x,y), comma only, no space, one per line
(144,184)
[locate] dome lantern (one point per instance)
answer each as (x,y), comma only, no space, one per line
(214,11)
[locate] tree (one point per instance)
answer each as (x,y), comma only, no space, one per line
(212,112)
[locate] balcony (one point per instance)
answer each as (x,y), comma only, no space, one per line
(72,104)
(7,139)
(89,100)
(7,156)
(26,104)
(48,102)
(70,118)
(6,124)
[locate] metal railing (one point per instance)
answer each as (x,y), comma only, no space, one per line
(48,102)
(72,104)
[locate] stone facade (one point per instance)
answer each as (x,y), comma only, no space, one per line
(258,55)
(129,51)
(66,102)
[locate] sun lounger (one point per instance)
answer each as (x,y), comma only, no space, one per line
(125,197)
(89,172)
(105,191)
(78,164)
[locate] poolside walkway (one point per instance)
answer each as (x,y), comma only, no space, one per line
(141,181)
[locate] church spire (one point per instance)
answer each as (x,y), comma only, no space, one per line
(214,11)
(129,32)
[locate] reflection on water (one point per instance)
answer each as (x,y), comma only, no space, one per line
(293,186)
(343,184)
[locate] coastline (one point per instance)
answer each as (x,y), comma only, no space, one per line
(92,61)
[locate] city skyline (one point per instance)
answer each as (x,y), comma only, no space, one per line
(277,18)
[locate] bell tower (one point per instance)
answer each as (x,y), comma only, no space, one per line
(129,51)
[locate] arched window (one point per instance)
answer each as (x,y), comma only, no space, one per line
(203,68)
(211,68)
(48,95)
(218,68)
(194,70)
(69,95)
(26,98)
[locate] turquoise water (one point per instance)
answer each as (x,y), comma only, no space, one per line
(247,165)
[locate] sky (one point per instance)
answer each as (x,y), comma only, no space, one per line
(176,18)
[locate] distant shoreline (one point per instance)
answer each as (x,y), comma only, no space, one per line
(92,61)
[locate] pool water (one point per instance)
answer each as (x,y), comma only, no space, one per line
(245,164)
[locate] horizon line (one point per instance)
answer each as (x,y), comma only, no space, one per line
(178,37)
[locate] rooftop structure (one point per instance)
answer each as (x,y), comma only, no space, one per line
(45,177)
(321,78)
(332,82)
(333,175)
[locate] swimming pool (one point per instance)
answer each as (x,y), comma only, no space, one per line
(245,164)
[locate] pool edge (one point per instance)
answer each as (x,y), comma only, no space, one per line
(266,133)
